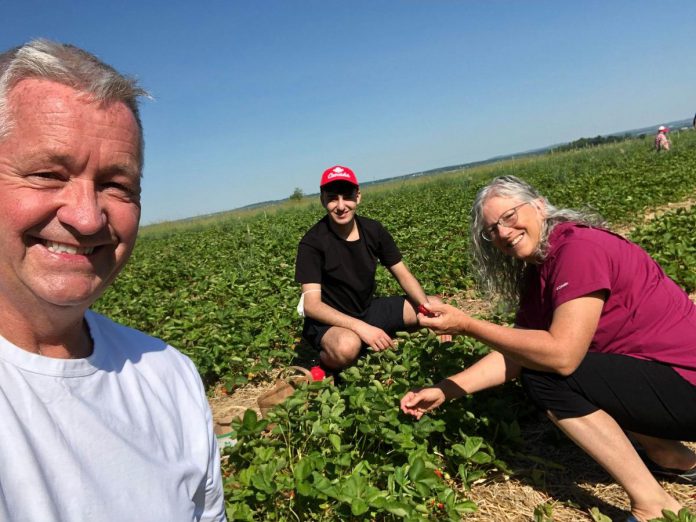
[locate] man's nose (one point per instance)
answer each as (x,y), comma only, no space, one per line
(81,208)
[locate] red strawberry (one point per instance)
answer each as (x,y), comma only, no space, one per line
(423,310)
(317,373)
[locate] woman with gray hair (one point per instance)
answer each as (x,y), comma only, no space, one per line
(604,342)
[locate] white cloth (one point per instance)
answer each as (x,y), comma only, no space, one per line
(123,435)
(300,303)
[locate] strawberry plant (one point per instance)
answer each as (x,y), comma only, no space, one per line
(344,453)
(670,241)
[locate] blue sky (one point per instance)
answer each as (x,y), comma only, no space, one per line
(253,98)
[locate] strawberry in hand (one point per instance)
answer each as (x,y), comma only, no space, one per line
(423,310)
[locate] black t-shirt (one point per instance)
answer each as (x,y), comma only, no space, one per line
(345,269)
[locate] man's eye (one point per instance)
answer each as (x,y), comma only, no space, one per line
(115,185)
(46,175)
(46,179)
(121,190)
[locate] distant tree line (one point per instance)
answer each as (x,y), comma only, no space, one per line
(584,143)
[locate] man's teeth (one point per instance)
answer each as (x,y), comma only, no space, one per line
(60,248)
(517,240)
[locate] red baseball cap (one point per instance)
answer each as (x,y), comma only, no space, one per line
(338,173)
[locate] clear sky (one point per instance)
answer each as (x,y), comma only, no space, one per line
(253,98)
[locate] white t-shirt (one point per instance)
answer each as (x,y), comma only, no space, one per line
(123,435)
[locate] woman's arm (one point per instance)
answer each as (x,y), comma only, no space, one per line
(559,350)
(492,370)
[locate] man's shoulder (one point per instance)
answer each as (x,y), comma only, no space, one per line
(319,230)
(371,226)
(366,221)
(117,344)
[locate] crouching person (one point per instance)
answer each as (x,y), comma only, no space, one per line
(336,264)
(605,342)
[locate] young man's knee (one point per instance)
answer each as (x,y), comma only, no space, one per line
(340,351)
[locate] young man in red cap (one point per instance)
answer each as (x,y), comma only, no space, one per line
(336,264)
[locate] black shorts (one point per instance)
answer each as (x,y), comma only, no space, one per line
(386,313)
(642,396)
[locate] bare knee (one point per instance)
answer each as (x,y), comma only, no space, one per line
(340,348)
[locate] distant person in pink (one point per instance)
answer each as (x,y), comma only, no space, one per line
(604,342)
(661,140)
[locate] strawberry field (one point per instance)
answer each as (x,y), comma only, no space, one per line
(225,295)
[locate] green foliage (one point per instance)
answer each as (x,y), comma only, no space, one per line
(348,453)
(670,241)
(584,143)
(598,516)
(297,194)
(543,512)
(684,515)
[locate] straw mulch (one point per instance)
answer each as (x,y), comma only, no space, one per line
(552,470)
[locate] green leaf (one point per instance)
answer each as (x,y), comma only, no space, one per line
(358,506)
(417,469)
(250,420)
(335,441)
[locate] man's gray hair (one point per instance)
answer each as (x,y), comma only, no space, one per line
(71,66)
(503,276)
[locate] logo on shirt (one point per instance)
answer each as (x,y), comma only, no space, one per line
(561,286)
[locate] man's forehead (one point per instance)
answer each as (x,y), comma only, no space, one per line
(40,93)
(50,125)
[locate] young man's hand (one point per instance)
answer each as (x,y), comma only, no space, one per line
(374,337)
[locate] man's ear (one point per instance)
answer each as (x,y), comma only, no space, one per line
(358,196)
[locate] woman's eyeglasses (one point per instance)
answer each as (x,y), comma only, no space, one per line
(507,219)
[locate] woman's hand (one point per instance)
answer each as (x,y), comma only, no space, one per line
(443,319)
(418,402)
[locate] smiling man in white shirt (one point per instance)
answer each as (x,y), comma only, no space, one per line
(99,422)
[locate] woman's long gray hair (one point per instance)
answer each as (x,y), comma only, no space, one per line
(502,276)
